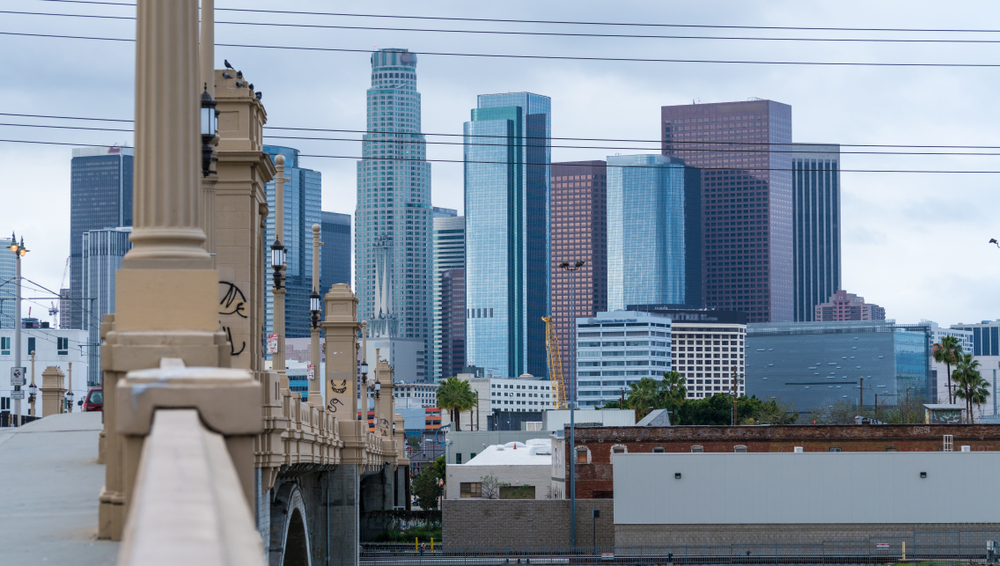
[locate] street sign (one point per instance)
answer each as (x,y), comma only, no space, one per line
(272,343)
(882,546)
(310,371)
(17,393)
(17,376)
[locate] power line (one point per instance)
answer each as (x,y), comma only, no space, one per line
(787,148)
(694,143)
(556,22)
(541,33)
(467,161)
(551,57)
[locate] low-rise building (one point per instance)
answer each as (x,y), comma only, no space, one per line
(848,306)
(514,470)
(423,393)
(52,347)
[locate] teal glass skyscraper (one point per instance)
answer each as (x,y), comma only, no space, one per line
(303,194)
(393,220)
(507,160)
(654,232)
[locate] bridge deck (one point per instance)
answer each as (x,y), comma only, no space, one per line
(49,482)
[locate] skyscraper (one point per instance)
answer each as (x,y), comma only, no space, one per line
(102,253)
(654,224)
(452,357)
(741,148)
(507,157)
(7,274)
(393,224)
(303,200)
(816,225)
(449,256)
(100,197)
(335,254)
(578,231)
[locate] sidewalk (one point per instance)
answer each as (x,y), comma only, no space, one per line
(49,481)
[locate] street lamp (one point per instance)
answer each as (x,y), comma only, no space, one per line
(32,391)
(19,251)
(69,401)
(277,261)
(572,269)
(314,306)
(378,387)
(209,124)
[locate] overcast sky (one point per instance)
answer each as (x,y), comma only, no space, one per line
(913,243)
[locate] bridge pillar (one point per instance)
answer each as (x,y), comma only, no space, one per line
(53,391)
(344,492)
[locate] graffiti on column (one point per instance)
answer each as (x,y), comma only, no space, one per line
(332,405)
(233,302)
(383,426)
(342,388)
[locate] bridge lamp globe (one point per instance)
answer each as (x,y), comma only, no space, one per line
(378,387)
(364,372)
(277,261)
(209,124)
(314,307)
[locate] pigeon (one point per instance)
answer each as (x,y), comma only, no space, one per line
(239,74)
(226,63)
(258,95)
(250,86)
(226,76)
(239,84)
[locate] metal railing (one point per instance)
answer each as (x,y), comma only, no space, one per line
(939,548)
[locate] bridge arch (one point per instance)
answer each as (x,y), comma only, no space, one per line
(289,530)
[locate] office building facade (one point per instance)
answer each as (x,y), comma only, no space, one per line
(393,223)
(617,349)
(102,253)
(303,195)
(507,157)
(741,149)
(8,270)
(449,258)
(847,306)
(653,232)
(707,347)
(816,225)
(335,254)
(100,197)
(816,364)
(579,232)
(985,337)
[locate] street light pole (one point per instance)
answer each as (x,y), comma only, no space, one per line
(19,250)
(572,269)
(315,398)
(278,264)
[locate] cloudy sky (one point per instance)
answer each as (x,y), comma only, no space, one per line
(915,243)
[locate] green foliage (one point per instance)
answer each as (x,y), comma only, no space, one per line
(718,410)
(425,485)
(909,409)
(648,394)
(948,352)
(455,395)
(969,383)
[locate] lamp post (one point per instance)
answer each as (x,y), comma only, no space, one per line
(32,389)
(278,257)
(363,415)
(19,251)
(315,304)
(69,393)
(209,125)
(572,269)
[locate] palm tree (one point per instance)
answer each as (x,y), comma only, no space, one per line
(947,352)
(455,396)
(643,395)
(673,391)
(969,383)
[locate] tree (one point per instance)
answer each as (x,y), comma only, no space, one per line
(947,352)
(455,395)
(969,383)
(489,487)
(647,394)
(837,413)
(718,410)
(425,485)
(672,388)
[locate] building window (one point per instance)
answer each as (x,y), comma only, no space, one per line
(458,457)
(739,448)
(5,346)
(890,448)
(517,492)
(657,450)
(835,449)
(697,448)
(31,345)
(582,455)
(471,489)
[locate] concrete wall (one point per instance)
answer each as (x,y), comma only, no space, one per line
(512,523)
(807,488)
(515,475)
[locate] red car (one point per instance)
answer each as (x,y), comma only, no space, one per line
(94,401)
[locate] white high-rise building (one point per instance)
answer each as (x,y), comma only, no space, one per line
(449,253)
(393,221)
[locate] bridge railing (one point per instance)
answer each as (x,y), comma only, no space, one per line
(188,506)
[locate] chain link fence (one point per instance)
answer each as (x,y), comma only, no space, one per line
(921,548)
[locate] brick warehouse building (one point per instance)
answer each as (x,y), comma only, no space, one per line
(596,445)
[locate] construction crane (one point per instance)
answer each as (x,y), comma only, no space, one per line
(555,364)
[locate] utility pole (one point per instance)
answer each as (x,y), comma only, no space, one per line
(19,250)
(315,397)
(861,393)
(32,388)
(735,415)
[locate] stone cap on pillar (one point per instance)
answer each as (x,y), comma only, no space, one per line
(341,304)
(53,379)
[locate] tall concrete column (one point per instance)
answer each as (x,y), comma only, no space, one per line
(166,291)
(385,401)
(315,396)
(278,317)
(208,84)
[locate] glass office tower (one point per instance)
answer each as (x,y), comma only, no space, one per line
(449,258)
(654,250)
(507,157)
(335,254)
(100,197)
(102,253)
(741,149)
(303,198)
(393,223)
(8,270)
(816,206)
